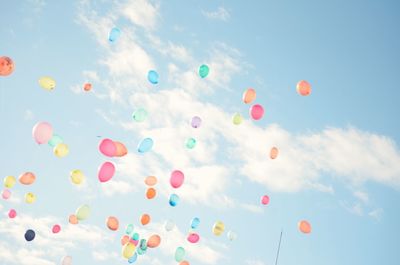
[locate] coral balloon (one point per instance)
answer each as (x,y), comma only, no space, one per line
(30,197)
(9,181)
(303,88)
(106,171)
(256,112)
(304,227)
(73,219)
(6,66)
(47,83)
(12,213)
(112,223)
(107,147)
(124,239)
(121,149)
(56,229)
(42,132)
(151,193)
(249,95)
(218,228)
(150,181)
(176,179)
(184,263)
(87,87)
(77,176)
(27,178)
(154,241)
(145,219)
(273,153)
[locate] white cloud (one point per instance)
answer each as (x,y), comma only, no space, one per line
(376,214)
(254,262)
(143,13)
(362,196)
(220,14)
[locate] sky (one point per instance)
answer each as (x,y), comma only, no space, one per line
(339,158)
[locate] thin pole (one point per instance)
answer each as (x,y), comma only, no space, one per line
(279,247)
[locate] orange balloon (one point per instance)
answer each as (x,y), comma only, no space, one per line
(150,181)
(124,239)
(27,178)
(273,153)
(145,219)
(154,241)
(151,193)
(303,88)
(184,263)
(6,66)
(112,223)
(121,149)
(73,219)
(87,86)
(249,95)
(305,227)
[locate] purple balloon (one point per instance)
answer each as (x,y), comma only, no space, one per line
(196,122)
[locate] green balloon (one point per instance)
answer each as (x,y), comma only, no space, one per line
(83,212)
(55,140)
(140,251)
(139,115)
(204,70)
(190,143)
(179,254)
(237,119)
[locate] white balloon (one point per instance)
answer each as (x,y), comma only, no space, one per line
(169,225)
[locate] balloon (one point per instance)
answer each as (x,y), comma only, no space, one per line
(184,263)
(30,197)
(153,77)
(42,132)
(27,178)
(29,235)
(264,199)
(249,95)
(61,150)
(82,212)
(150,181)
(124,239)
(151,193)
(203,70)
(6,194)
(12,213)
(67,260)
(121,149)
(135,236)
(106,171)
(195,223)
(140,251)
(193,238)
(143,244)
(9,181)
(139,115)
(169,225)
(196,122)
(273,153)
(107,147)
(190,143)
(145,219)
(129,229)
(55,140)
(145,145)
(77,177)
(128,250)
(133,258)
(231,235)
(87,86)
(47,83)
(154,241)
(56,229)
(179,254)
(176,179)
(112,223)
(256,112)
(6,66)
(72,219)
(173,200)
(218,228)
(237,118)
(303,88)
(305,227)
(114,34)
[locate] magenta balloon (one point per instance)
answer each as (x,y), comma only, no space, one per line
(256,111)
(107,147)
(176,179)
(265,199)
(106,171)
(42,132)
(193,238)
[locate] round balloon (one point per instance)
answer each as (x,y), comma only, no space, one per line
(173,200)
(128,250)
(124,239)
(112,223)
(106,171)
(47,83)
(114,34)
(176,179)
(12,213)
(145,219)
(143,244)
(55,140)
(145,145)
(154,241)
(169,225)
(273,153)
(135,236)
(42,132)
(305,227)
(27,178)
(184,263)
(6,194)
(29,235)
(180,254)
(30,197)
(77,177)
(150,181)
(196,122)
(303,88)
(87,87)
(139,115)
(107,147)
(231,235)
(218,228)
(193,238)
(204,70)
(190,143)
(72,219)
(153,77)
(6,66)
(256,112)
(151,193)
(61,150)
(67,260)
(264,199)
(82,212)
(121,149)
(237,119)
(9,181)
(249,95)
(195,223)
(129,229)
(133,258)
(56,229)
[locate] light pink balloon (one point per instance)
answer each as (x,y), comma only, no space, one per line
(256,111)
(265,199)
(6,194)
(107,147)
(12,213)
(193,238)
(42,132)
(56,229)
(106,171)
(176,179)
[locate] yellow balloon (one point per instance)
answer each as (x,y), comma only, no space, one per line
(83,212)
(9,181)
(61,150)
(128,250)
(218,228)
(47,83)
(30,197)
(77,176)
(237,118)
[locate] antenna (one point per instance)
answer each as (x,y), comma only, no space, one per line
(279,247)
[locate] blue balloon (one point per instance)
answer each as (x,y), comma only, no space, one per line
(114,34)
(29,235)
(173,200)
(195,223)
(133,258)
(153,77)
(145,145)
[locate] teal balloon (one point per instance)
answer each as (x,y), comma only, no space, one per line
(173,200)
(180,254)
(140,251)
(55,140)
(195,223)
(143,244)
(190,143)
(139,115)
(114,34)
(129,229)
(133,258)
(204,70)
(145,145)
(135,236)
(153,77)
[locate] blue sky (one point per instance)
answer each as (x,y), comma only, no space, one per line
(339,162)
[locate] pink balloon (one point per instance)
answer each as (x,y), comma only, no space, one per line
(256,111)
(12,213)
(107,147)
(193,238)
(265,199)
(176,179)
(42,132)
(56,229)
(106,171)
(6,194)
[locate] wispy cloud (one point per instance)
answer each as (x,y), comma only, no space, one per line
(220,14)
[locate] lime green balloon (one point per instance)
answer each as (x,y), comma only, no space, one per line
(204,70)
(237,118)
(190,143)
(139,115)
(82,212)
(55,140)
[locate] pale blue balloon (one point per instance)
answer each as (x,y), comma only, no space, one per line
(195,223)
(133,258)
(173,200)
(153,77)
(145,145)
(114,34)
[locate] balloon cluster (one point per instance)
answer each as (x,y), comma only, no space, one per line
(42,133)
